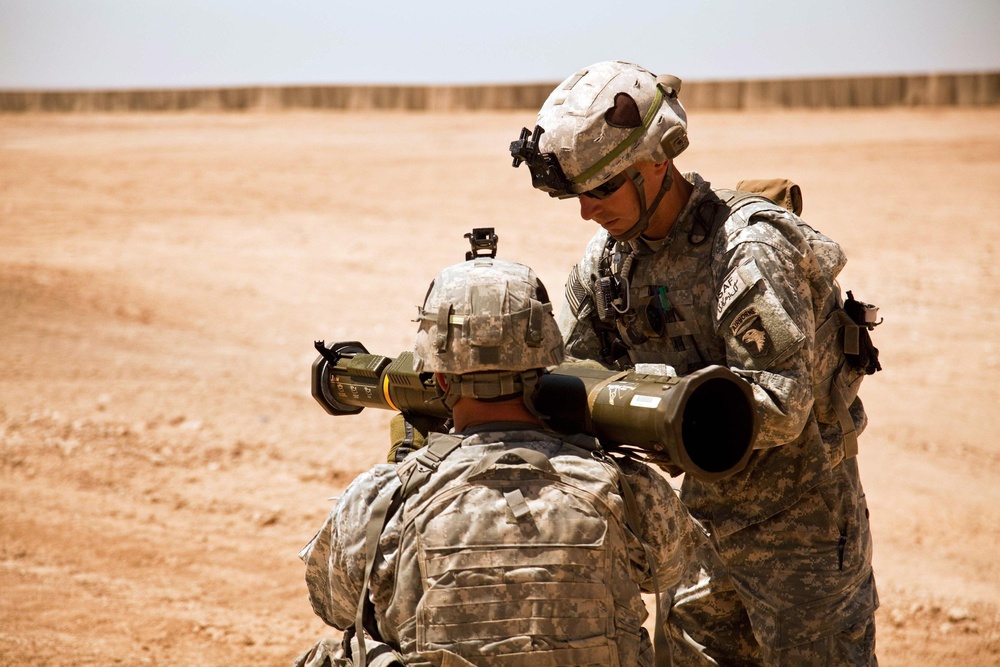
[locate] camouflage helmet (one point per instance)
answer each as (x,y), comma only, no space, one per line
(486,314)
(606,117)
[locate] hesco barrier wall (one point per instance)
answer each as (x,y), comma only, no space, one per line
(975,89)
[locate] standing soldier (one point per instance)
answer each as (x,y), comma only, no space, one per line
(687,275)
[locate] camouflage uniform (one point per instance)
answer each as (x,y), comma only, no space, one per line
(794,584)
(335,559)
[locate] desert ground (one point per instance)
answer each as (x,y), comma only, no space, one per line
(163,278)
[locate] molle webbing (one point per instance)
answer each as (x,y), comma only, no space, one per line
(516,560)
(483,606)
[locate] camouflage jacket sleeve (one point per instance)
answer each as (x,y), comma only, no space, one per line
(335,557)
(664,525)
(768,291)
(574,316)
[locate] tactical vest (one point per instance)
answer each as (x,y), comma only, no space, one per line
(627,317)
(518,561)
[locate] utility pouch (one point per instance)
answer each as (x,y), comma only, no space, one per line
(845,355)
(858,347)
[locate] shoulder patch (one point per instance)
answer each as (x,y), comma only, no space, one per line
(743,320)
(734,286)
(748,327)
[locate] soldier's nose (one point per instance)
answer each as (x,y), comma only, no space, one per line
(589,207)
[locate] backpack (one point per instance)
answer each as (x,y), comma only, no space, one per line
(516,550)
(513,555)
(844,351)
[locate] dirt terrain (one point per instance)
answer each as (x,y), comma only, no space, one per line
(163,278)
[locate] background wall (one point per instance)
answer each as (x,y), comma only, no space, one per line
(962,90)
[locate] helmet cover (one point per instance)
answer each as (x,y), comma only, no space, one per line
(486,314)
(606,117)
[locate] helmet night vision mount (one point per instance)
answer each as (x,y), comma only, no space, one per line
(546,173)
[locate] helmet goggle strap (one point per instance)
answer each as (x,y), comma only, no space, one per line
(636,135)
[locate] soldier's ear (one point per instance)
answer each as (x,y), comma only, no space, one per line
(442,382)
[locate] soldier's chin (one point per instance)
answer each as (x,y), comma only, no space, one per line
(620,231)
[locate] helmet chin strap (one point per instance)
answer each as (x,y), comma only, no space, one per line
(645,214)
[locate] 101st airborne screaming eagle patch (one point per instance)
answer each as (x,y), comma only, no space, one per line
(748,328)
(762,331)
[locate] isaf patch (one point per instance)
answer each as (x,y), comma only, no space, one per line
(748,327)
(732,288)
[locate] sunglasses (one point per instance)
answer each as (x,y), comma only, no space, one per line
(607,188)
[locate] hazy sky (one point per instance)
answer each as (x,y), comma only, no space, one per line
(191,43)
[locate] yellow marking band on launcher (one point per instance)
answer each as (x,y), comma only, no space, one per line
(385,392)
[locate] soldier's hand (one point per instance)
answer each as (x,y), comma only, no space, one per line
(325,653)
(670,468)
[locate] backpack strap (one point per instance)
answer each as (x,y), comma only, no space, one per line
(532,457)
(661,647)
(734,200)
(412,474)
